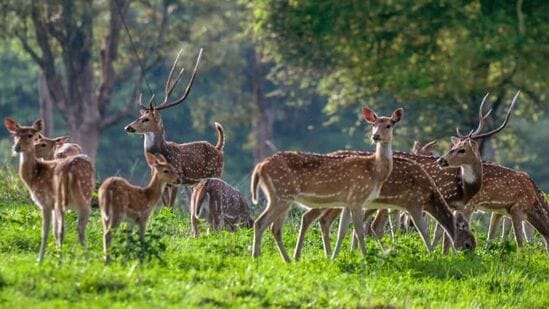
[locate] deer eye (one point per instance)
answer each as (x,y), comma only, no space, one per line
(30,135)
(166,171)
(145,120)
(388,126)
(43,145)
(461,151)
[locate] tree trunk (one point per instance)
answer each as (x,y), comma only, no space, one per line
(46,105)
(262,126)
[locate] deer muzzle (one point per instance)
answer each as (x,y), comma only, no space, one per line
(442,162)
(129,129)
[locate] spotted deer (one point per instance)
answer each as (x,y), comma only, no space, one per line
(55,186)
(494,177)
(321,181)
(409,188)
(121,201)
(220,204)
(193,161)
(55,148)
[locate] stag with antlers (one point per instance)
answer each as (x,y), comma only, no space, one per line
(193,161)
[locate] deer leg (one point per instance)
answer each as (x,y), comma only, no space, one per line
(308,217)
(59,233)
(107,238)
(505,229)
(276,229)
(344,221)
(439,232)
(356,214)
(83,218)
(528,231)
(173,196)
(516,217)
(166,197)
(495,219)
(46,221)
(271,212)
(380,222)
(325,223)
(421,225)
(194,222)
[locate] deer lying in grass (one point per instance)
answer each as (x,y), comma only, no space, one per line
(55,148)
(55,186)
(321,181)
(121,201)
(409,188)
(193,161)
(220,204)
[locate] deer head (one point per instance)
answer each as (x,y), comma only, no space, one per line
(465,148)
(23,137)
(45,147)
(149,118)
(464,239)
(425,150)
(164,170)
(382,127)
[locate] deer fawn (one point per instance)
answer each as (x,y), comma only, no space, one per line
(55,186)
(121,201)
(55,148)
(222,206)
(193,161)
(410,188)
(321,181)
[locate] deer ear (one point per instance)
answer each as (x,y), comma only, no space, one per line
(151,159)
(61,140)
(429,147)
(11,125)
(160,159)
(455,140)
(38,125)
(397,115)
(369,115)
(416,147)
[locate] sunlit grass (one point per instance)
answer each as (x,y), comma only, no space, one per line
(217,270)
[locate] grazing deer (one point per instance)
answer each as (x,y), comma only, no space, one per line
(55,186)
(121,201)
(193,161)
(321,181)
(55,148)
(408,188)
(222,205)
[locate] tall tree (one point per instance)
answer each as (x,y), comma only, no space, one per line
(77,48)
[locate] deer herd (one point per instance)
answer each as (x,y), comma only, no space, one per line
(349,185)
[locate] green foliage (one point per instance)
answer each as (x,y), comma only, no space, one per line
(12,188)
(217,270)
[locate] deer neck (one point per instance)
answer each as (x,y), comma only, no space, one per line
(27,166)
(384,159)
(154,189)
(471,179)
(154,141)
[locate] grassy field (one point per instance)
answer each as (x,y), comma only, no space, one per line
(217,271)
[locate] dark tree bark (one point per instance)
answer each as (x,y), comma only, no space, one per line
(262,125)
(82,97)
(46,105)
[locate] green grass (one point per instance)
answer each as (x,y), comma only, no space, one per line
(217,270)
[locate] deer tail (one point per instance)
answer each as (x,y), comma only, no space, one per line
(220,136)
(197,197)
(256,175)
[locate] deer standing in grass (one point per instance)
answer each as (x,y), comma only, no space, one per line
(55,186)
(321,181)
(121,201)
(409,188)
(193,161)
(55,148)
(220,204)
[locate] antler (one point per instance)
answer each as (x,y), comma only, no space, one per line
(477,135)
(481,119)
(170,86)
(150,102)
